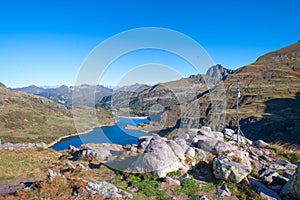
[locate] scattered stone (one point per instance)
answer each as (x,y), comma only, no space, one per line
(269,175)
(106,190)
(263,191)
(223,191)
(42,145)
(185,175)
(227,170)
(79,165)
(292,187)
(256,152)
(203,198)
(287,174)
(261,144)
(52,174)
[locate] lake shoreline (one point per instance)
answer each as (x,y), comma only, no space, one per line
(76,134)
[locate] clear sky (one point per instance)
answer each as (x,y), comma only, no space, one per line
(44,42)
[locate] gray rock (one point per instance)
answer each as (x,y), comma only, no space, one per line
(263,191)
(144,141)
(223,191)
(206,143)
(172,180)
(106,190)
(158,159)
(190,152)
(201,154)
(73,149)
(255,151)
(202,197)
(269,175)
(287,174)
(181,143)
(41,144)
(222,148)
(292,187)
(285,163)
(227,170)
(228,133)
(52,174)
(261,144)
(206,131)
(177,149)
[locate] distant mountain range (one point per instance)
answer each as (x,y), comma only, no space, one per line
(64,94)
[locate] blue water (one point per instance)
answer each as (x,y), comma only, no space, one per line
(116,134)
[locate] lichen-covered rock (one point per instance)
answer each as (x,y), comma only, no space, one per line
(227,170)
(292,187)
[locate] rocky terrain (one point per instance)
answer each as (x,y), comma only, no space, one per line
(200,164)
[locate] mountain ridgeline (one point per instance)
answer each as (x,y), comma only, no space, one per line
(269,102)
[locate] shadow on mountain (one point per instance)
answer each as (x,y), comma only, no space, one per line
(281,122)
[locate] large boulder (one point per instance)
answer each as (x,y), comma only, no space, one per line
(158,159)
(206,143)
(223,148)
(227,170)
(292,187)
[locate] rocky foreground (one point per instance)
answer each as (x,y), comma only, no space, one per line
(200,164)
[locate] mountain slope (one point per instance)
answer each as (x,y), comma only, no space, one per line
(28,118)
(269,106)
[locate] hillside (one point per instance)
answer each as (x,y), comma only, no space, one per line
(164,94)
(269,106)
(29,118)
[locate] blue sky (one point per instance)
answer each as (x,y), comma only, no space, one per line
(45,42)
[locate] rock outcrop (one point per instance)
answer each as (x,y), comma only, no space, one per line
(292,188)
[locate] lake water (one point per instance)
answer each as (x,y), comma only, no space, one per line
(116,134)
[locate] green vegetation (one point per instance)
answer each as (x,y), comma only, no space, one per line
(149,186)
(188,187)
(285,151)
